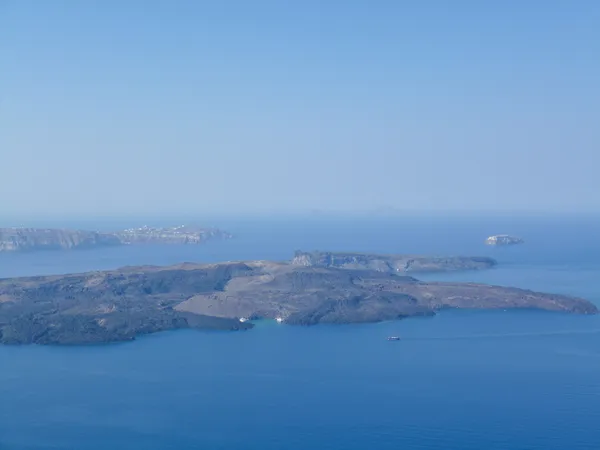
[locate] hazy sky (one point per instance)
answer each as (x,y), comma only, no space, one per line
(151,107)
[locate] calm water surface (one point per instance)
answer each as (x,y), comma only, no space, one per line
(461,380)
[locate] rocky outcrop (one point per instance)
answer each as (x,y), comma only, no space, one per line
(391,263)
(121,304)
(30,239)
(503,239)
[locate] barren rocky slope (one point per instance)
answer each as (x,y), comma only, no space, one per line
(121,304)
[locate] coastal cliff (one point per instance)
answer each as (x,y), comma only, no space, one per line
(27,239)
(31,239)
(121,304)
(183,234)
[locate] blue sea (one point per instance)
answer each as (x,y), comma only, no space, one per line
(502,380)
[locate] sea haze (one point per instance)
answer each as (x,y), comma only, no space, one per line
(496,380)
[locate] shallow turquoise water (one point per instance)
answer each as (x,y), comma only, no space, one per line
(461,380)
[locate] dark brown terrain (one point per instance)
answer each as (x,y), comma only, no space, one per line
(121,304)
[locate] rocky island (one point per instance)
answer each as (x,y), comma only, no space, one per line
(391,263)
(27,239)
(30,239)
(118,305)
(503,239)
(183,234)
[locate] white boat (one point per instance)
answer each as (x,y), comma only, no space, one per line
(279,319)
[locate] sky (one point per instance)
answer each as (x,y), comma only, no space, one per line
(134,107)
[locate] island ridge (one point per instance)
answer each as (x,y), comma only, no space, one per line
(31,239)
(118,305)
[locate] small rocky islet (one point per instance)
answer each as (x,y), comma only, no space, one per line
(311,288)
(504,240)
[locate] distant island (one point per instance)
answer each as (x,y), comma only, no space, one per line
(31,239)
(503,239)
(391,263)
(118,305)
